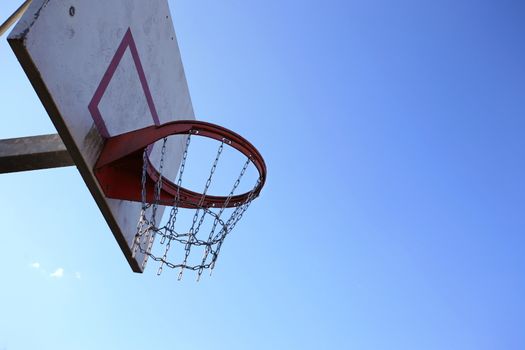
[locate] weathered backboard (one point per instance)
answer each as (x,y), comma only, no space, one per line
(102,68)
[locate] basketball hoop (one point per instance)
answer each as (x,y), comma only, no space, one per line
(124,171)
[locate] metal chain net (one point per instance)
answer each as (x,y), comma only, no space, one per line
(168,234)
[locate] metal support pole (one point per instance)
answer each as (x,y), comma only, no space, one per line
(14,17)
(32,153)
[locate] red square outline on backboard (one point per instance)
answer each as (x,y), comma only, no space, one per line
(127,42)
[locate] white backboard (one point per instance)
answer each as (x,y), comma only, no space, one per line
(102,68)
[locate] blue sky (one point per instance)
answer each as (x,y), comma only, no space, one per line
(393,213)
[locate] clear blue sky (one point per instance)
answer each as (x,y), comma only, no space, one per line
(393,216)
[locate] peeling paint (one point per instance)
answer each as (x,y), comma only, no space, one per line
(23,34)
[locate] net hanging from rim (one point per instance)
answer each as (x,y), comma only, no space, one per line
(187,240)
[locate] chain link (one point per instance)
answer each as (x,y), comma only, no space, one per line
(217,218)
(193,231)
(147,228)
(170,227)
